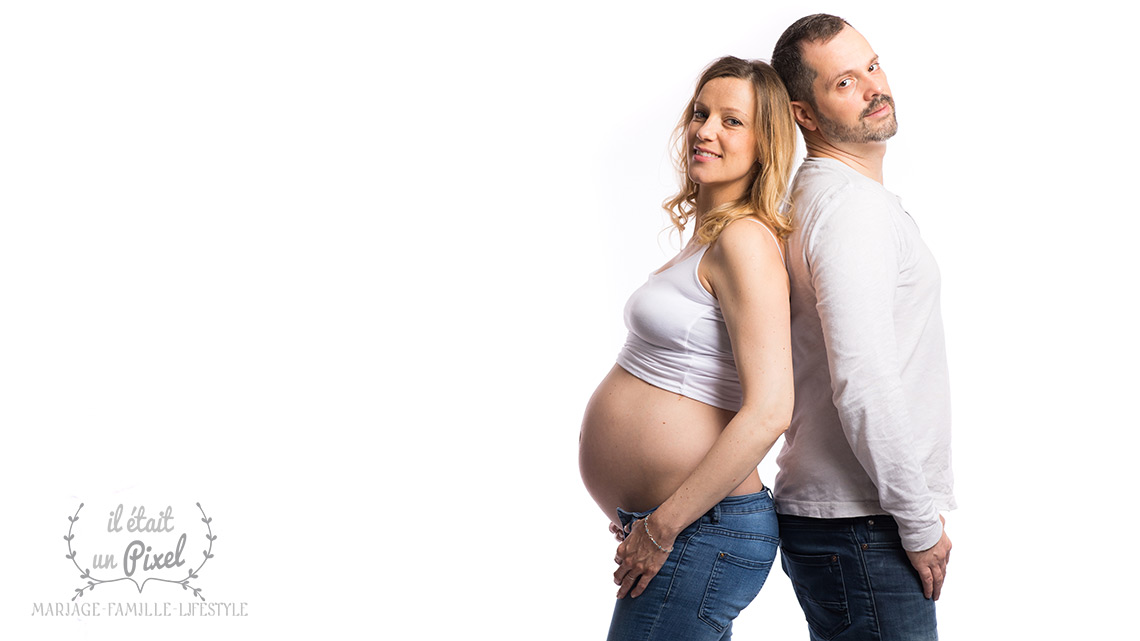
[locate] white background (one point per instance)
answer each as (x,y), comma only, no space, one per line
(347,273)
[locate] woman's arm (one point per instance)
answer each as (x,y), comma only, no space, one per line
(746,273)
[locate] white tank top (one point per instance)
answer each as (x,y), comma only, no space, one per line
(677,337)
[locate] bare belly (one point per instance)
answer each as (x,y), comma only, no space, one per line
(640,442)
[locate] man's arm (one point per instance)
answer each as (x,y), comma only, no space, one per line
(855,257)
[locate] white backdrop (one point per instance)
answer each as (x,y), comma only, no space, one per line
(347,273)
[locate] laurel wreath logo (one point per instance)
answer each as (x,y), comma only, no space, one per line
(92,581)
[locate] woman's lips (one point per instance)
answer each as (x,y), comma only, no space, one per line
(704,155)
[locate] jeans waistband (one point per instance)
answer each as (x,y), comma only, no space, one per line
(740,504)
(873,521)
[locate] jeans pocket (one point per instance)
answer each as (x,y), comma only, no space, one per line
(818,582)
(733,584)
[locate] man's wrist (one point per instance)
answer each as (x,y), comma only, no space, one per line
(922,538)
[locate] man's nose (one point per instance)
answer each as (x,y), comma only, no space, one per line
(873,86)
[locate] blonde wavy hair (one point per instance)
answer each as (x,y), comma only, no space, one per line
(775,132)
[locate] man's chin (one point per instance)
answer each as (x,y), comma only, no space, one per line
(884,135)
(885,132)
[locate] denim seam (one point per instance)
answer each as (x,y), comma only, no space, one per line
(651,628)
(867,581)
(746,536)
(673,577)
(744,513)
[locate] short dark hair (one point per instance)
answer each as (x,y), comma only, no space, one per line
(788,56)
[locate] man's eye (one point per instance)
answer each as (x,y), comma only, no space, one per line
(843,84)
(873,67)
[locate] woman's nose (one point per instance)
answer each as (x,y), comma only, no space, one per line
(707,131)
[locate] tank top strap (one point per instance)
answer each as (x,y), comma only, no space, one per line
(779,247)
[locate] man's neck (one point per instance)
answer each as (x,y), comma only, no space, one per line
(865,158)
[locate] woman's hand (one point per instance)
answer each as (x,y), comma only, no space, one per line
(639,560)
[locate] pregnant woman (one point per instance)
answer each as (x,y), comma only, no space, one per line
(702,389)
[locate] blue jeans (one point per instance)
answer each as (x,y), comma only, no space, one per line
(854,581)
(718,565)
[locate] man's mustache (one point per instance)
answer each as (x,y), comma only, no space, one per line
(877,103)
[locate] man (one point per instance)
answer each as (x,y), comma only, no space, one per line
(865,469)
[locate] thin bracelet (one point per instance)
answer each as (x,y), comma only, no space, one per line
(645,522)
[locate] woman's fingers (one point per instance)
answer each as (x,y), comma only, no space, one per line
(640,587)
(625,584)
(623,570)
(638,561)
(634,582)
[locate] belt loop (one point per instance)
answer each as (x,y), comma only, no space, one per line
(714,514)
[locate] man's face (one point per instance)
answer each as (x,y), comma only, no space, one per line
(853,102)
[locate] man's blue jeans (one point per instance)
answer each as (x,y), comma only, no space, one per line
(717,567)
(854,581)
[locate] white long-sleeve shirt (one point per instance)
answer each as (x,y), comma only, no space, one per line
(870,433)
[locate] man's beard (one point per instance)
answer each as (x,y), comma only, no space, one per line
(863,132)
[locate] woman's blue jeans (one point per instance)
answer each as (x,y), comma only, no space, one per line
(854,581)
(717,567)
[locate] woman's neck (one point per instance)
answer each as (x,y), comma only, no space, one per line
(709,199)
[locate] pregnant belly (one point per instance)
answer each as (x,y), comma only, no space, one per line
(640,442)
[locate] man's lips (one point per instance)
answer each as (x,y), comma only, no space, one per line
(880,109)
(878,112)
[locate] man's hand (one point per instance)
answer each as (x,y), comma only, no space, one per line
(931,564)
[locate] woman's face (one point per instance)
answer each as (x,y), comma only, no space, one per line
(721,138)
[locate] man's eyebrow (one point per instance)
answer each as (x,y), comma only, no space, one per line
(847,72)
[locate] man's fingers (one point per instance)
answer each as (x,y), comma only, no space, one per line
(931,566)
(938,579)
(927,582)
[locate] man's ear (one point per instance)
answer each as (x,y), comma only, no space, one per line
(804,115)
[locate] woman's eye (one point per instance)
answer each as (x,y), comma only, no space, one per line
(733,121)
(699,115)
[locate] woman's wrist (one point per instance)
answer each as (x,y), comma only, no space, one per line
(653,539)
(664,531)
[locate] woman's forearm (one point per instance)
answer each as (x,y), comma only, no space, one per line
(745,441)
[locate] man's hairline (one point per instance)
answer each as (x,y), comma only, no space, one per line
(801,44)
